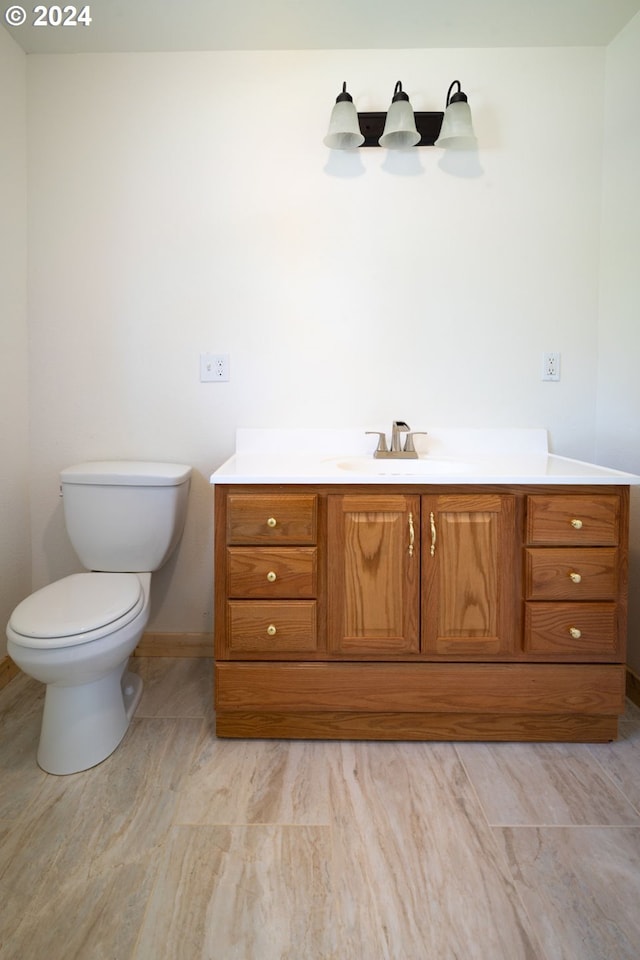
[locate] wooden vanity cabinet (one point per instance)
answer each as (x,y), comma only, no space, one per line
(413,612)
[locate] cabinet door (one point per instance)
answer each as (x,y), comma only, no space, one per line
(470,605)
(374,574)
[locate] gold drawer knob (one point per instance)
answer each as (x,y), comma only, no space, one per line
(575,577)
(575,633)
(271,576)
(271,630)
(576,524)
(272,522)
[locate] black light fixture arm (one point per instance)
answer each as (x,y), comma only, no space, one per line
(398,93)
(457,97)
(344,95)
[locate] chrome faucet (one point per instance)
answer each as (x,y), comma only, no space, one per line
(398,451)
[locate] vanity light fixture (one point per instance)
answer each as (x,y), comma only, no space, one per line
(401,127)
(344,130)
(457,129)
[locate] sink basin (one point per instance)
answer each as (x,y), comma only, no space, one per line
(405,468)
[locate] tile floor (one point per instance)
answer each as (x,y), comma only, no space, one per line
(184,847)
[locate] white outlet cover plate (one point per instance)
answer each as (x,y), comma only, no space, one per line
(214,367)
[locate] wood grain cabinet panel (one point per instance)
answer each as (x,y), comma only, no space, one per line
(572,631)
(577,520)
(267,518)
(271,627)
(413,688)
(470,608)
(273,573)
(374,574)
(584,573)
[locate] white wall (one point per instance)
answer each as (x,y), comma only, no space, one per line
(15,553)
(182,203)
(618,411)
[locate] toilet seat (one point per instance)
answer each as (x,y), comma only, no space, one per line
(77,609)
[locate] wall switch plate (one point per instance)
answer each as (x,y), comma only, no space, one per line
(214,367)
(551,365)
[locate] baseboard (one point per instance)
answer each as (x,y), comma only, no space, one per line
(151,645)
(633,686)
(8,671)
(175,645)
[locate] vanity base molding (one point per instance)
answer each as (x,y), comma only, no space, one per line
(335,725)
(419,701)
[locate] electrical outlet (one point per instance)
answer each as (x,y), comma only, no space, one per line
(551,366)
(214,367)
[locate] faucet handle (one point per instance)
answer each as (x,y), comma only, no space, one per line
(408,444)
(382,440)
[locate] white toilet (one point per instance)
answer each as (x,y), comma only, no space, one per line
(124,519)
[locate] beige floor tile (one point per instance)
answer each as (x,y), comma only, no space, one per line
(83,918)
(621,760)
(81,826)
(21,704)
(242,893)
(581,888)
(543,784)
(174,687)
(416,872)
(257,781)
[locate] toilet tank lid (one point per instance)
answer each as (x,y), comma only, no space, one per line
(132,473)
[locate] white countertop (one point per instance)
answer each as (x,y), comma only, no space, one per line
(445,456)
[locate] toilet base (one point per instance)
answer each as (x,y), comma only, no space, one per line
(83,724)
(131,692)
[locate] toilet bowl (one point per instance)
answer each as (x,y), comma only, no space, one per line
(76,635)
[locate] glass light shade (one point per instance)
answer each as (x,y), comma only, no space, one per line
(344,129)
(456,132)
(399,127)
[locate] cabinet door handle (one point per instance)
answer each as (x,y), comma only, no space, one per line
(271,630)
(432,524)
(271,576)
(412,535)
(575,633)
(576,524)
(575,577)
(272,522)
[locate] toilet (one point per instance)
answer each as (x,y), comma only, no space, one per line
(124,519)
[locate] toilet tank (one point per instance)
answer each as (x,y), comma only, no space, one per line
(125,515)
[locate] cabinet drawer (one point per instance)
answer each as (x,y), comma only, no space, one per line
(574,630)
(582,520)
(558,573)
(284,518)
(271,627)
(272,572)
